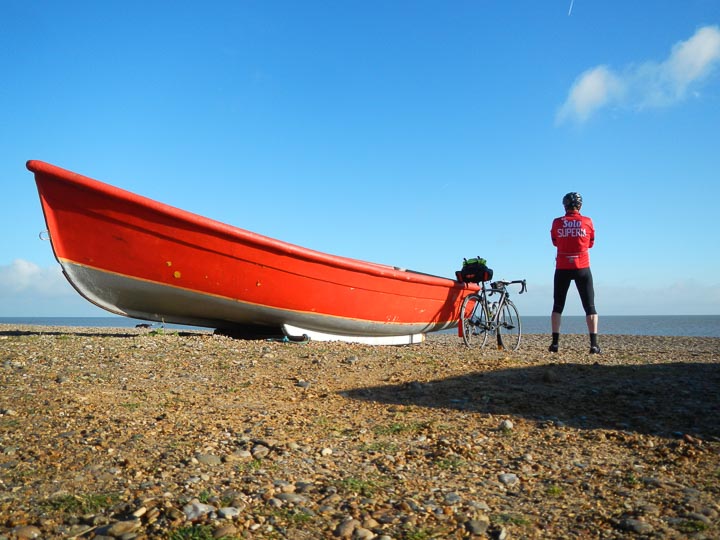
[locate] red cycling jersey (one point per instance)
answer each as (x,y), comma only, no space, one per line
(573,235)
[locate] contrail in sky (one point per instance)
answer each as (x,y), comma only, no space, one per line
(571,5)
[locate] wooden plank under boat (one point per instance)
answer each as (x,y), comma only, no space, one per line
(140,258)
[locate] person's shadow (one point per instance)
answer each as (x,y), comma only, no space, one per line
(668,400)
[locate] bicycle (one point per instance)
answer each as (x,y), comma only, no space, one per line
(481,316)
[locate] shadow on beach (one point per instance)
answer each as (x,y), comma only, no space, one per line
(100,333)
(667,400)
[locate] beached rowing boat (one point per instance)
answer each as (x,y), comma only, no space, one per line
(137,257)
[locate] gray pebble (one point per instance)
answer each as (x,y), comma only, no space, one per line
(346,528)
(229,512)
(697,516)
(225,530)
(635,525)
(239,455)
(363,534)
(195,510)
(478,526)
(293,498)
(121,528)
(208,459)
(259,451)
(27,531)
(452,498)
(508,479)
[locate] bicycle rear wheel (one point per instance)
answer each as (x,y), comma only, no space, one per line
(509,329)
(473,321)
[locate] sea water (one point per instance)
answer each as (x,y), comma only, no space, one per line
(636,325)
(642,325)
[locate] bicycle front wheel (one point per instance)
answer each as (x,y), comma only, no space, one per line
(473,321)
(509,329)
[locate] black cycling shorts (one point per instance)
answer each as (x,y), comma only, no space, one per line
(583,281)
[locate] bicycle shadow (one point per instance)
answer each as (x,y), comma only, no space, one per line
(659,399)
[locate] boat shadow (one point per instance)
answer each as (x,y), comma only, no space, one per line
(666,400)
(114,333)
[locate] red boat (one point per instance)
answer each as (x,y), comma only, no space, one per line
(143,259)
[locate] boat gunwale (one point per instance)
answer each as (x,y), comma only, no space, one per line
(293,250)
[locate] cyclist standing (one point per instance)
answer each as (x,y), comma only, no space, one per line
(573,234)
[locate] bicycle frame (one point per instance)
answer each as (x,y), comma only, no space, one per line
(480,315)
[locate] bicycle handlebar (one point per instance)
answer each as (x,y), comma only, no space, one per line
(505,283)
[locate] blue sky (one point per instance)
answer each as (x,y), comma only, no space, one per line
(406,133)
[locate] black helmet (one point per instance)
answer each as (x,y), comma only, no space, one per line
(572,200)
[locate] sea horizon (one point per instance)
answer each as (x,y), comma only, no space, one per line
(645,325)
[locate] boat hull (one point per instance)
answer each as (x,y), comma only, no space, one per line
(143,259)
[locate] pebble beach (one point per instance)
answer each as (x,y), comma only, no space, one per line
(134,433)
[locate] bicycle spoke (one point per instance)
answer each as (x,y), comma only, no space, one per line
(509,330)
(473,321)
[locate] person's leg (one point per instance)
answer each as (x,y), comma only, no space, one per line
(586,289)
(555,322)
(592,323)
(561,284)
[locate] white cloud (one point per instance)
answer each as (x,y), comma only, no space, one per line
(592,90)
(648,84)
(29,290)
(692,59)
(22,277)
